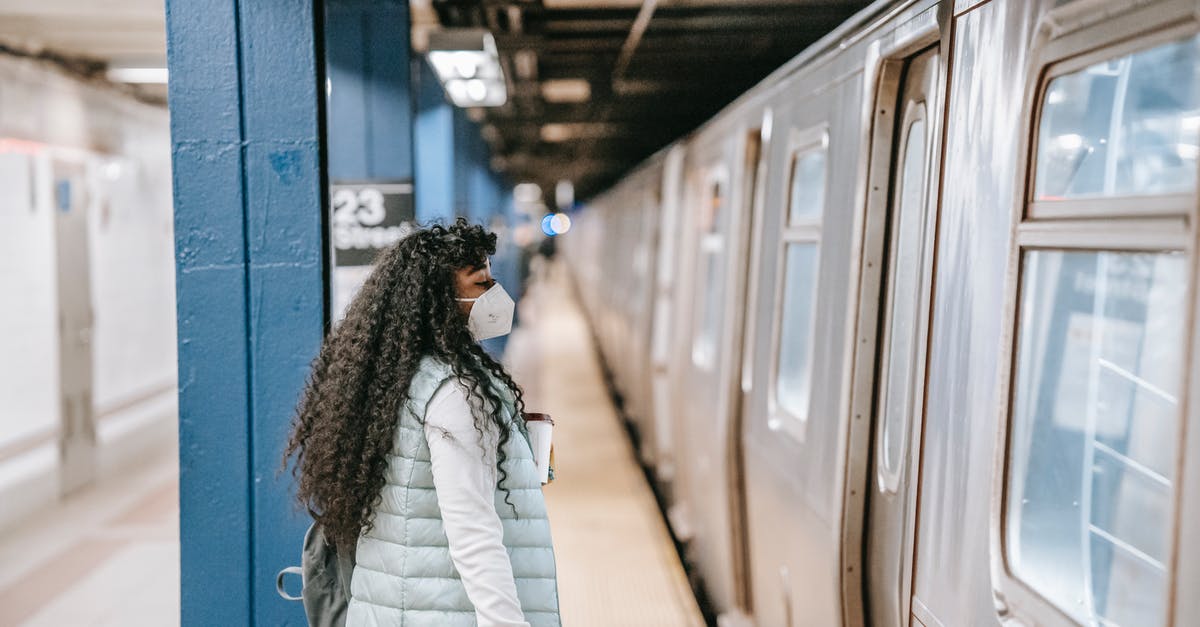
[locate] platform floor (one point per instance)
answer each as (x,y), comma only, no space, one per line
(110,555)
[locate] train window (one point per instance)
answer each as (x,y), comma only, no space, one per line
(904,303)
(807,193)
(1098,319)
(801,242)
(712,244)
(1128,126)
(792,386)
(1095,418)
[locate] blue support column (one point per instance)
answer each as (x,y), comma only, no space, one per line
(245,133)
(370,101)
(434,148)
(464,136)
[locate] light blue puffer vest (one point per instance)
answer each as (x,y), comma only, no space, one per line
(403,574)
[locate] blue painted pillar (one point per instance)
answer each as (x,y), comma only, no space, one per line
(434,131)
(245,103)
(370,125)
(464,137)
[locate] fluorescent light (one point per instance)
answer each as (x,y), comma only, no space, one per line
(556,132)
(137,75)
(456,64)
(1069,141)
(525,63)
(561,132)
(564,195)
(477,90)
(476,93)
(527,193)
(566,90)
(468,66)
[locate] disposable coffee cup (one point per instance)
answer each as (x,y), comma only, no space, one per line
(540,428)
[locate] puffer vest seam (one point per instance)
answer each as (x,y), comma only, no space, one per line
(407,520)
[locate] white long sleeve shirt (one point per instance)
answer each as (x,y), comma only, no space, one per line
(464,475)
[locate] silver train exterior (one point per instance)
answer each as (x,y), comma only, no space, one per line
(907,331)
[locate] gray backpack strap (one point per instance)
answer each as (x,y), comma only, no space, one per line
(290,570)
(325,573)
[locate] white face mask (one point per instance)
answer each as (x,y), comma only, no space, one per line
(492,314)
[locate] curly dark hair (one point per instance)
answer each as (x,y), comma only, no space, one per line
(347,418)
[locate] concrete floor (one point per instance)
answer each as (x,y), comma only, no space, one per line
(617,564)
(110,555)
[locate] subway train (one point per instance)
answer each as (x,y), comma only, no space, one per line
(907,331)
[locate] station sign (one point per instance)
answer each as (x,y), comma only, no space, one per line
(366,219)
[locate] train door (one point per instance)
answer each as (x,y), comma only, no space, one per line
(904,249)
(77,435)
(665,289)
(712,471)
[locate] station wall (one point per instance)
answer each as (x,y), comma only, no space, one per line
(119,150)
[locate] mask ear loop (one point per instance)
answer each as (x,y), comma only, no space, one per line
(471,300)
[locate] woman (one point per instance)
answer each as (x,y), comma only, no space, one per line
(408,446)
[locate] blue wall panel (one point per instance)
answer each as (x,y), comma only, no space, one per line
(390,99)
(434,148)
(461,139)
(248,205)
(347,129)
(370,102)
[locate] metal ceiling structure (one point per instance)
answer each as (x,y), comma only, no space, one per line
(595,86)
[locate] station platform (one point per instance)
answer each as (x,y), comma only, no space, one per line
(617,565)
(109,556)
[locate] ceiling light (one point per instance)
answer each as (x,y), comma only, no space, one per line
(564,194)
(476,90)
(514,19)
(527,193)
(137,75)
(558,132)
(566,90)
(525,62)
(466,63)
(468,66)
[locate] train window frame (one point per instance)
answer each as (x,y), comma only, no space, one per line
(1069,40)
(806,231)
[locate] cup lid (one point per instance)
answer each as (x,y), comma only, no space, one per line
(537,417)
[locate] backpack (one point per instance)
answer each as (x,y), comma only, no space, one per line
(325,580)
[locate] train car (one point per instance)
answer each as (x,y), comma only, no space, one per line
(918,344)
